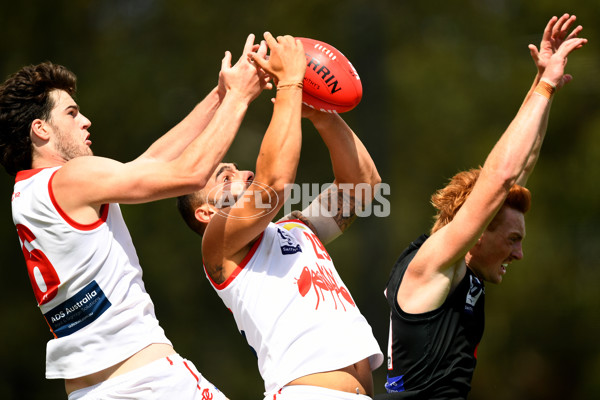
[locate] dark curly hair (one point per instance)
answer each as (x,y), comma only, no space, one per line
(24,97)
(450,199)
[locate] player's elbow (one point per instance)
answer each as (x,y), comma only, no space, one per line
(375,177)
(280,183)
(198,181)
(371,176)
(185,180)
(194,175)
(501,178)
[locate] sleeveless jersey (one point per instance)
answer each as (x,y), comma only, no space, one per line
(86,279)
(433,355)
(292,307)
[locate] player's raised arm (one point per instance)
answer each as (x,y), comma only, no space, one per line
(232,230)
(332,86)
(556,32)
(174,142)
(440,263)
(156,174)
(355,173)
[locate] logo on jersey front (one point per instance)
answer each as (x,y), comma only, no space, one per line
(78,311)
(475,291)
(287,242)
(322,280)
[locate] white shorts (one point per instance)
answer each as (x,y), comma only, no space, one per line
(304,392)
(168,378)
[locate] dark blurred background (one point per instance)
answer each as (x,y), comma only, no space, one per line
(441,83)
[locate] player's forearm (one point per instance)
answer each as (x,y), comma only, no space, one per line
(536,80)
(513,151)
(351,162)
(279,154)
(535,152)
(205,152)
(173,143)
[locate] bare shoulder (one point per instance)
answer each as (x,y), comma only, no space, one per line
(78,185)
(430,277)
(86,168)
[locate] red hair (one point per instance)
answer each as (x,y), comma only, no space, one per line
(448,200)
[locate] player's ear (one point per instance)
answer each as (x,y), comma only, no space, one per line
(40,129)
(204,213)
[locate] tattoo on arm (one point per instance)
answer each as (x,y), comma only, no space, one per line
(216,273)
(345,212)
(346,207)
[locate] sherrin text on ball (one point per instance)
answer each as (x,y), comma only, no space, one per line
(331,83)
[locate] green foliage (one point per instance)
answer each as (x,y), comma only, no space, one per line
(441,82)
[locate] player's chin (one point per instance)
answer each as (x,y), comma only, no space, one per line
(494,278)
(497,279)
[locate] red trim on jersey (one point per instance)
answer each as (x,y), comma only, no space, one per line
(26,174)
(239,268)
(69,220)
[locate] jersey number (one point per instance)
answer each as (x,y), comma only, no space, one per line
(320,250)
(42,274)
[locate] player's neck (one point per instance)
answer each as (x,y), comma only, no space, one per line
(47,161)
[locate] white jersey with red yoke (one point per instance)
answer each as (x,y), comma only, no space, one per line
(293,308)
(86,279)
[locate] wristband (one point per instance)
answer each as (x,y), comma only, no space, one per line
(545,89)
(321,217)
(293,85)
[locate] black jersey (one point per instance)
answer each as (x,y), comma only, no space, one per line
(433,355)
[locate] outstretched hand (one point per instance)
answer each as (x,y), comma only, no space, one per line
(557,37)
(286,61)
(244,76)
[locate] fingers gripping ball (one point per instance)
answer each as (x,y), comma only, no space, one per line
(331,83)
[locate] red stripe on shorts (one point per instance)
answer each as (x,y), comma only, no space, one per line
(193,374)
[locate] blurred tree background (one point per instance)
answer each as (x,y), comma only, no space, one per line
(441,80)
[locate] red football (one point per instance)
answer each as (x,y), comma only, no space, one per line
(331,83)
